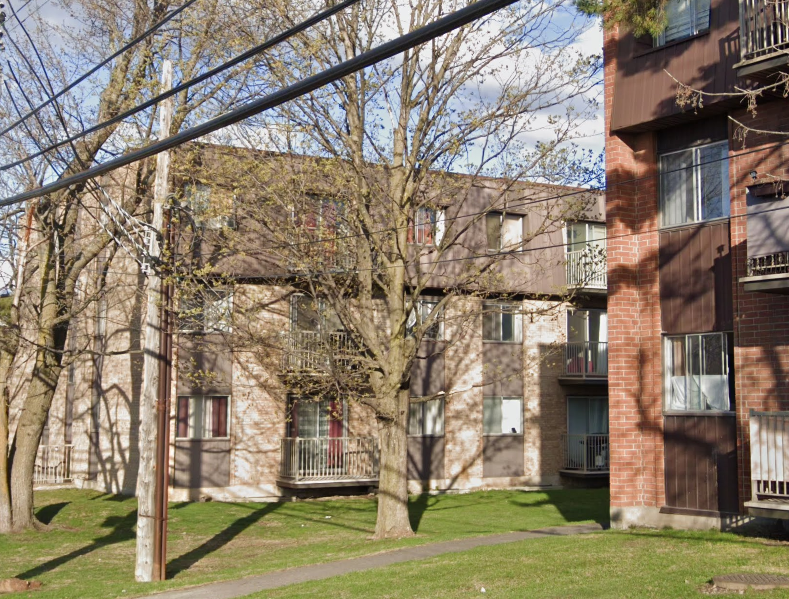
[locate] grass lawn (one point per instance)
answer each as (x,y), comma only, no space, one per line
(89,550)
(613,564)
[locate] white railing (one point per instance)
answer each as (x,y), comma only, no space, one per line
(587,268)
(769,455)
(314,351)
(769,264)
(764,27)
(586,453)
(586,359)
(329,459)
(53,465)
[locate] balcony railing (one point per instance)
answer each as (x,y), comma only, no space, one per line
(585,453)
(53,465)
(331,459)
(770,264)
(770,457)
(586,359)
(764,28)
(314,350)
(587,268)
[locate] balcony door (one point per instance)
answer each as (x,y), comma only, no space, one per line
(587,433)
(320,428)
(587,342)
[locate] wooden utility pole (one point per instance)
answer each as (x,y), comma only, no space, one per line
(152,480)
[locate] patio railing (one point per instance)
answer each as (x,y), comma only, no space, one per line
(769,455)
(314,351)
(587,268)
(53,465)
(585,453)
(586,359)
(764,28)
(329,459)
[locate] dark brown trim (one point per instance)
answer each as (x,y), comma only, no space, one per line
(671,44)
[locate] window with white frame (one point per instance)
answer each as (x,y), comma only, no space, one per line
(504,231)
(502,415)
(694,184)
(697,372)
(203,417)
(427,227)
(206,310)
(420,313)
(208,210)
(684,18)
(426,418)
(502,321)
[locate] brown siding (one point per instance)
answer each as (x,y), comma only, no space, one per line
(204,354)
(502,456)
(427,371)
(644,90)
(502,372)
(425,458)
(701,463)
(202,463)
(696,279)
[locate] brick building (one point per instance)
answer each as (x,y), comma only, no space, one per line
(697,265)
(517,376)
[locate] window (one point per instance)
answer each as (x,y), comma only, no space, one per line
(421,311)
(586,352)
(206,207)
(694,184)
(203,417)
(313,315)
(312,418)
(207,310)
(324,219)
(684,19)
(502,415)
(697,372)
(586,265)
(426,418)
(427,228)
(502,322)
(504,231)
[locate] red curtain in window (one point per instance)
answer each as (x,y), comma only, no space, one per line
(183,417)
(219,417)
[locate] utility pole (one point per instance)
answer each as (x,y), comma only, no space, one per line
(152,481)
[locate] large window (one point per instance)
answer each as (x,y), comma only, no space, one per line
(504,231)
(313,418)
(694,184)
(698,373)
(202,417)
(426,417)
(502,415)
(502,322)
(684,19)
(427,227)
(420,313)
(206,310)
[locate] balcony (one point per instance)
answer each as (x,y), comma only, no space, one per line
(769,465)
(53,465)
(328,462)
(764,36)
(585,455)
(313,351)
(586,268)
(768,238)
(586,361)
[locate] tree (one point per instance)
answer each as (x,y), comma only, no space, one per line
(382,144)
(55,244)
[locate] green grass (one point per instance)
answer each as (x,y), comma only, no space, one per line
(639,563)
(89,550)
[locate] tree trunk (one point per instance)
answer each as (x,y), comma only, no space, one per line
(5,491)
(393,521)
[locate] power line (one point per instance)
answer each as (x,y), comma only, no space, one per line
(306,24)
(386,50)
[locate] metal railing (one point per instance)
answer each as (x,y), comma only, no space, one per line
(586,453)
(314,350)
(769,455)
(586,359)
(328,459)
(769,264)
(53,465)
(587,268)
(764,28)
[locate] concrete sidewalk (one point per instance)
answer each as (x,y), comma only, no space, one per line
(230,589)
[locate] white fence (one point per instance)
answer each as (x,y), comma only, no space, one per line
(329,459)
(53,465)
(769,455)
(587,268)
(313,350)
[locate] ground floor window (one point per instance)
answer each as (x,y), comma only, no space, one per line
(426,417)
(316,418)
(203,416)
(698,372)
(502,415)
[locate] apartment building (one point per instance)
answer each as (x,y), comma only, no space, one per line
(697,266)
(509,388)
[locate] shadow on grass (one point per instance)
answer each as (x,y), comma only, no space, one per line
(183,562)
(120,530)
(46,514)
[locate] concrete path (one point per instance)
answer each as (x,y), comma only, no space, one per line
(230,589)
